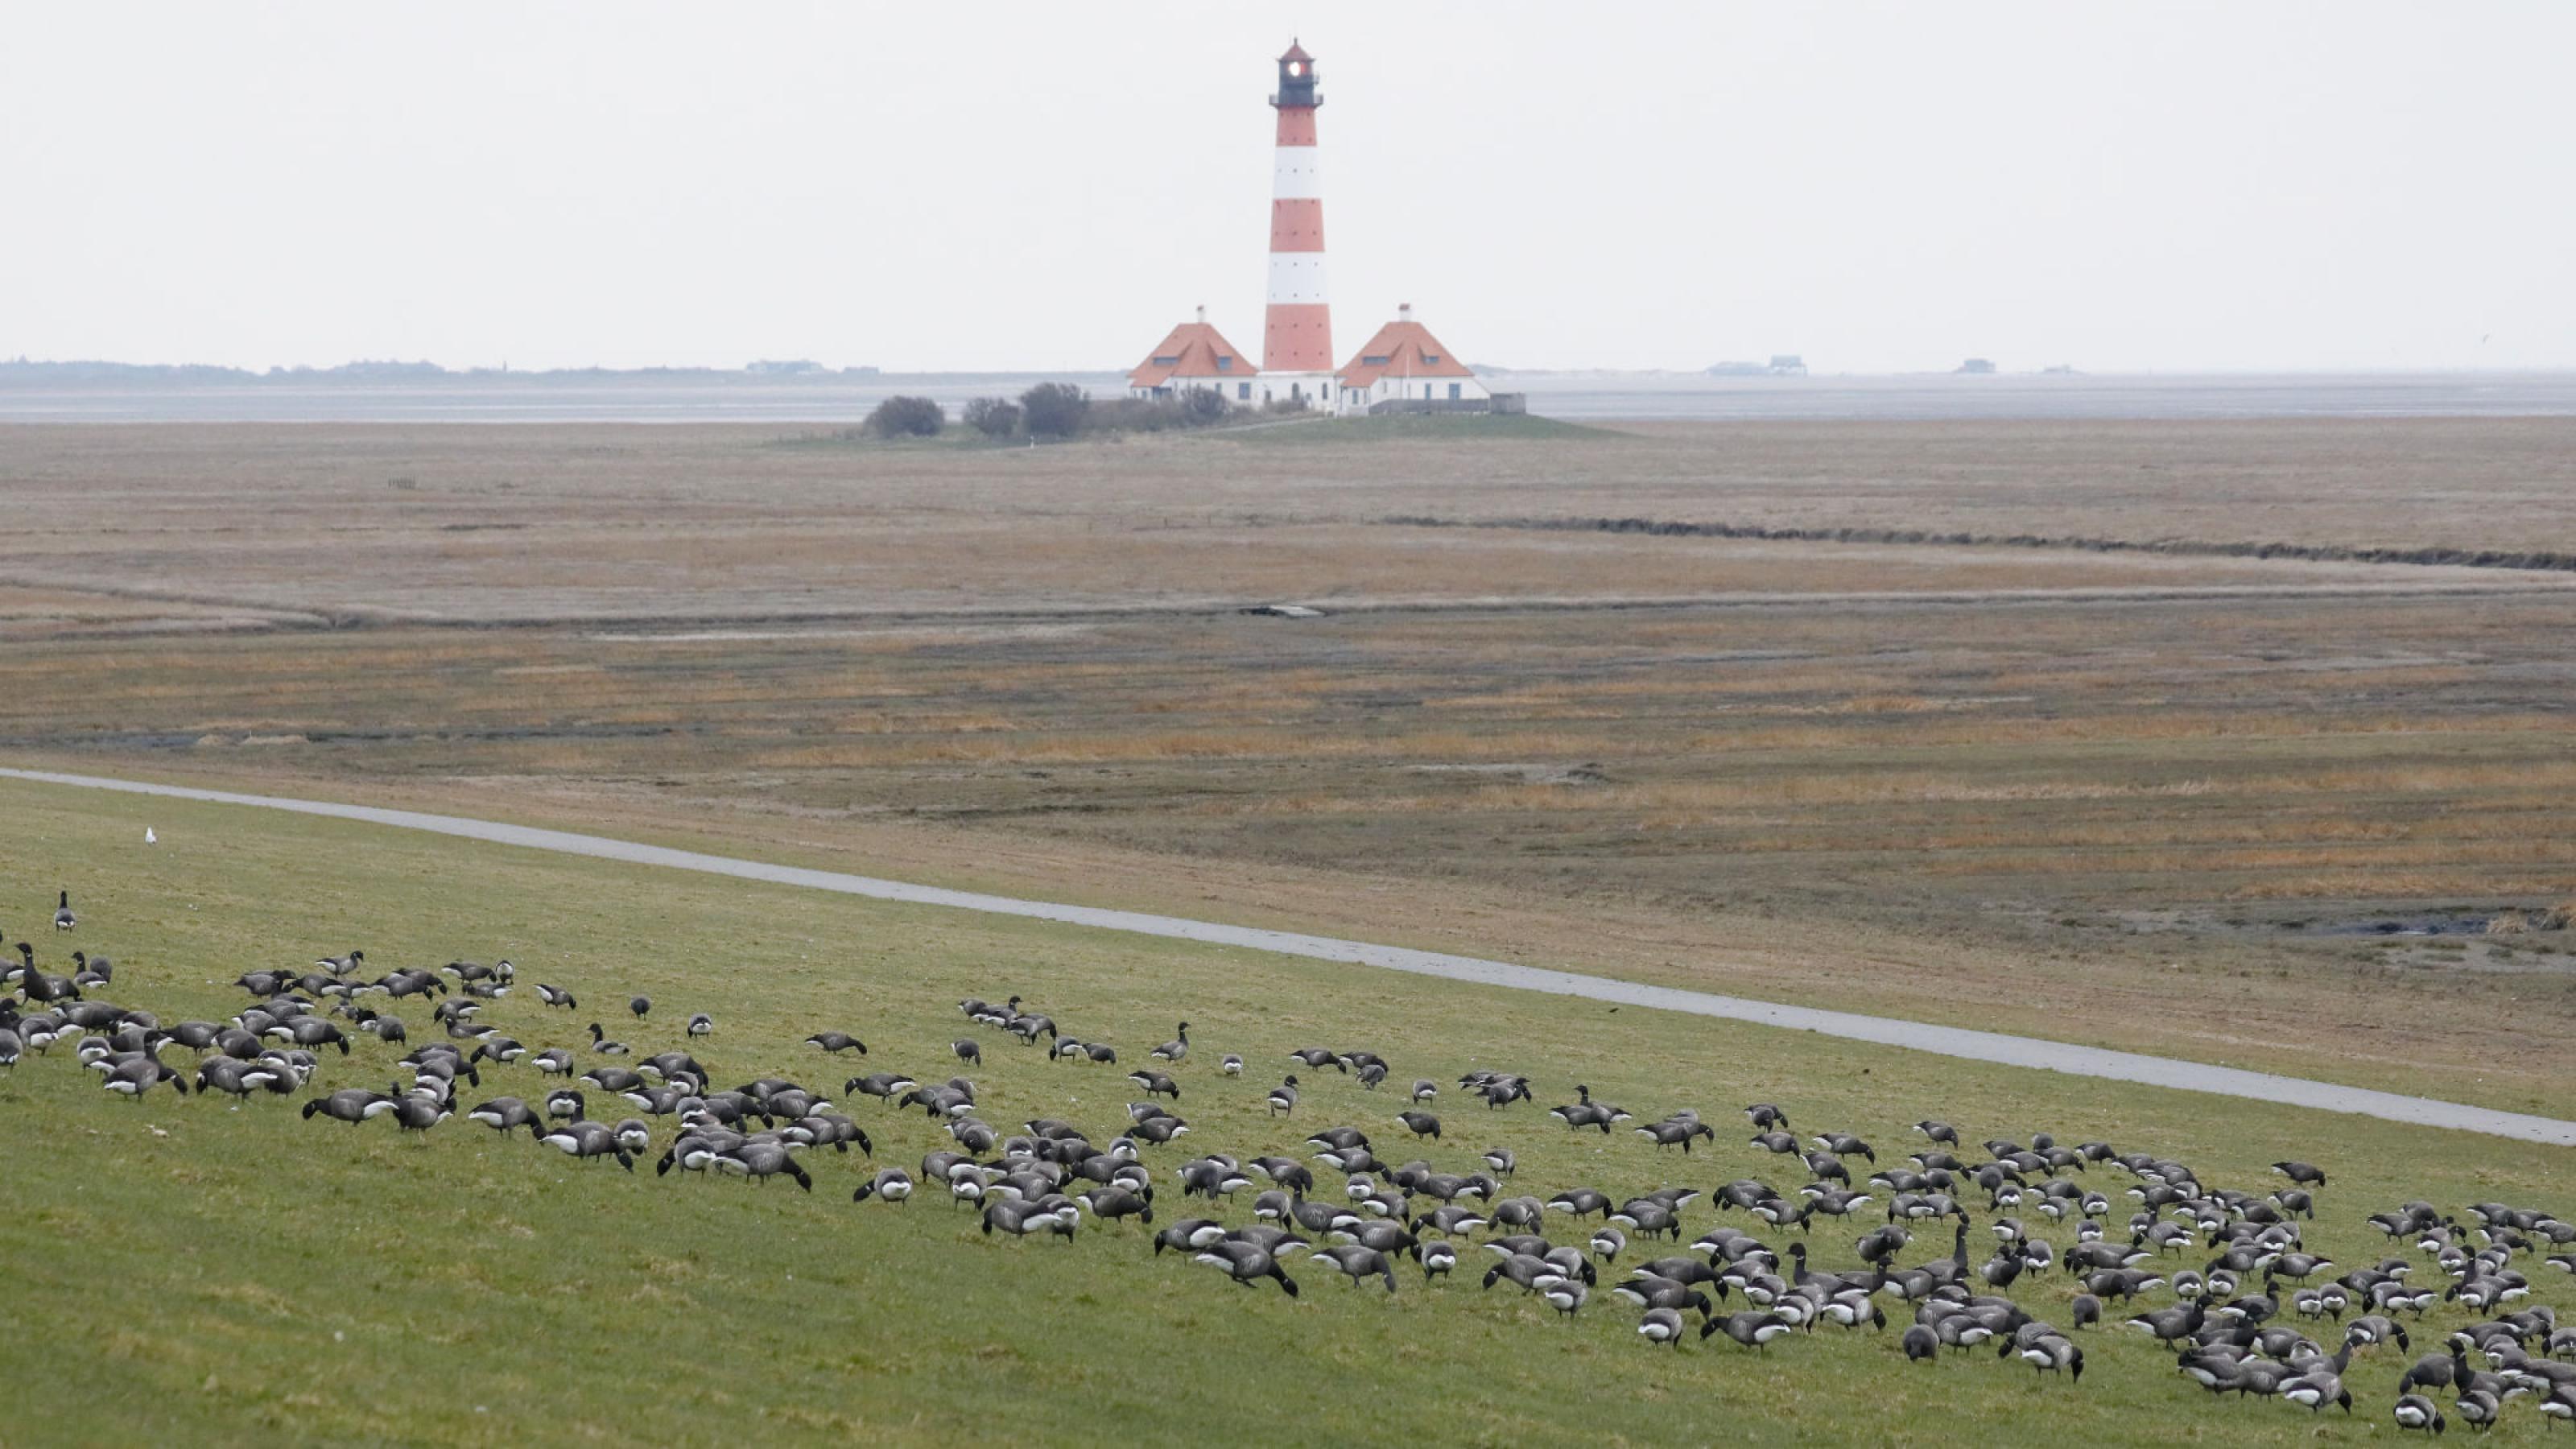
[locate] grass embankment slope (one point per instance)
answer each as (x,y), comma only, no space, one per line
(203,1271)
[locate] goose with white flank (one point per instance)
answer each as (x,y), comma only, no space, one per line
(1755,1330)
(891,1184)
(350,1104)
(1021,1217)
(64,920)
(1175,1049)
(1356,1261)
(1247,1263)
(600,1043)
(504,1115)
(2414,1411)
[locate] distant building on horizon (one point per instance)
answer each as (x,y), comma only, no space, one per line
(1405,363)
(1403,367)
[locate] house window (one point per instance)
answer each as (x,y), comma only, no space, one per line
(1243,392)
(1225,364)
(1167,362)
(1453,392)
(1375,361)
(1431,359)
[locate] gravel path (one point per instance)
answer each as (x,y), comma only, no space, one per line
(1990,1047)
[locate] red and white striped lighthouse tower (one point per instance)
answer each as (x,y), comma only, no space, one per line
(1297,336)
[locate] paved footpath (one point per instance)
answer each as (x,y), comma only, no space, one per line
(1982,1046)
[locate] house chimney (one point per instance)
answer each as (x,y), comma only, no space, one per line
(1203,314)
(1404,311)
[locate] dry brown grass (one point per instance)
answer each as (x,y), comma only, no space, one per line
(1920,777)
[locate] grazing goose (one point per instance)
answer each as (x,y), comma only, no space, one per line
(892,1184)
(64,920)
(350,1104)
(1755,1330)
(761,1161)
(1501,1160)
(588,1139)
(1421,1124)
(238,1078)
(1318,1058)
(1247,1263)
(1766,1115)
(600,1043)
(555,996)
(1920,1343)
(2414,1411)
(1155,1084)
(701,1024)
(1109,1204)
(1175,1049)
(501,1114)
(2303,1173)
(11,1047)
(1661,1325)
(640,1005)
(965,1050)
(1230,1064)
(1283,1098)
(836,1042)
(1438,1257)
(1021,1216)
(415,1113)
(1566,1295)
(135,1076)
(1356,1261)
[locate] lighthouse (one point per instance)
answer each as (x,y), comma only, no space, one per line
(1297,332)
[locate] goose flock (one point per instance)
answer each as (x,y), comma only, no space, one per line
(2222,1278)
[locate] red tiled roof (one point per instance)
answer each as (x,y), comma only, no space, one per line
(1402,348)
(1192,351)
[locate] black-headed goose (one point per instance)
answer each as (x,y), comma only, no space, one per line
(1247,1263)
(504,1114)
(1356,1261)
(1175,1049)
(349,1104)
(891,1184)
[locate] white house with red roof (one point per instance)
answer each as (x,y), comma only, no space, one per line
(1194,355)
(1404,363)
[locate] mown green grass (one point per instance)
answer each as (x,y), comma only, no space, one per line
(188,1269)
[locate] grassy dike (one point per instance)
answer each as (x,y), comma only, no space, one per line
(185,1267)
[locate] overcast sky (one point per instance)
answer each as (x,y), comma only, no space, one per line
(2160,186)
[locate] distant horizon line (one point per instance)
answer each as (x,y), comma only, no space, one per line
(22,370)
